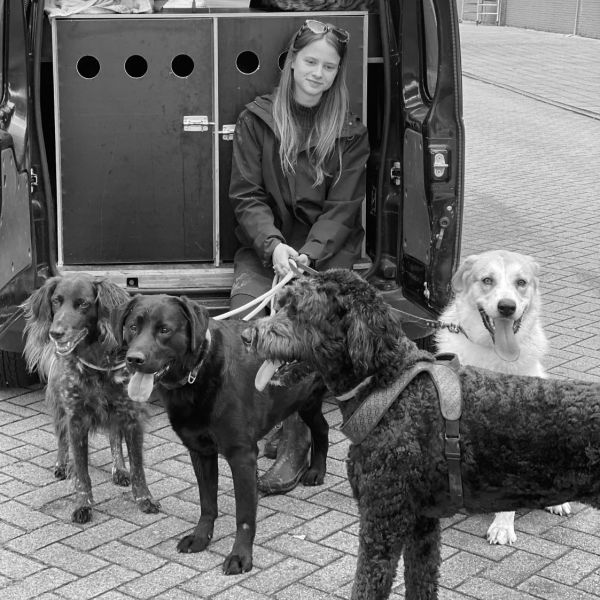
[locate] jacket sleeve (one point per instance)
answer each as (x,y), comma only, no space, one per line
(343,203)
(250,201)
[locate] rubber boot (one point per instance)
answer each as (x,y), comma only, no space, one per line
(292,458)
(272,441)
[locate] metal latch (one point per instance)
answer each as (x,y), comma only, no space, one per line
(196,123)
(396,173)
(227,132)
(439,163)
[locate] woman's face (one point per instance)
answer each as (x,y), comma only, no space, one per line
(314,70)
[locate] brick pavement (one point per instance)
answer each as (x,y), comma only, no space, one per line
(531,186)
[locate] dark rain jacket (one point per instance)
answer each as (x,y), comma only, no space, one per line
(323,222)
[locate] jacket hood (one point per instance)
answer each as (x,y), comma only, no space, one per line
(262,107)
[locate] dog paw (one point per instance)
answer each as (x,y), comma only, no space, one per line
(61,472)
(562,510)
(501,536)
(149,505)
(82,514)
(237,563)
(192,543)
(121,478)
(313,477)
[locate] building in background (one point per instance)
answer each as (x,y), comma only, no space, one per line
(576,17)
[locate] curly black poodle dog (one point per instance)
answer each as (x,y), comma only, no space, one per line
(524,441)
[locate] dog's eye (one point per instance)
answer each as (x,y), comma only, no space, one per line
(522,283)
(164,330)
(84,304)
(133,327)
(487,281)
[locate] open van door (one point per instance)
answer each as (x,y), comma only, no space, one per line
(116,134)
(415,214)
(17,244)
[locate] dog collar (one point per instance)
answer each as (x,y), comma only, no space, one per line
(90,365)
(193,374)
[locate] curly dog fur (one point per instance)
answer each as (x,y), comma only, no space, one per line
(70,343)
(510,425)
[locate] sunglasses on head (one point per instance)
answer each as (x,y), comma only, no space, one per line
(323,28)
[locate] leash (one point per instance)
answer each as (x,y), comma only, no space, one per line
(295,271)
(433,324)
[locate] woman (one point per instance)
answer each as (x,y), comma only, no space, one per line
(297,187)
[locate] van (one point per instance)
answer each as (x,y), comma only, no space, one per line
(116,135)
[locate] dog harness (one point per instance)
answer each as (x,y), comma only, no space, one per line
(444,375)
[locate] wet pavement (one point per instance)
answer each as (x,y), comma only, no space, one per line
(532,119)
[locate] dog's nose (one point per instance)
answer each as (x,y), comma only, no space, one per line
(247,336)
(57,334)
(507,307)
(135,358)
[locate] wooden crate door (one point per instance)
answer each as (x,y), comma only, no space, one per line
(135,187)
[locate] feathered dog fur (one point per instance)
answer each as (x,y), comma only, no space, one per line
(510,427)
(70,342)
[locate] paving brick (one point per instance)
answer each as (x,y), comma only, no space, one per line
(36,585)
(572,568)
(515,568)
(129,557)
(304,549)
(70,560)
(97,583)
(39,538)
(333,576)
(17,566)
(159,580)
(552,590)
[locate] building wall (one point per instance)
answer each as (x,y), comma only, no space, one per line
(588,24)
(558,16)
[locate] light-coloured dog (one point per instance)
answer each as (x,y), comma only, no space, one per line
(497,307)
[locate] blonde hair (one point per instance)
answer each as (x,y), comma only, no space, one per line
(329,118)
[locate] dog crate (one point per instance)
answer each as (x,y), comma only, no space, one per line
(145,108)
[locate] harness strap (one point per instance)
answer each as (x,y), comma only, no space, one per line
(444,375)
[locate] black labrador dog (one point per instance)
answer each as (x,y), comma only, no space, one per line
(207,379)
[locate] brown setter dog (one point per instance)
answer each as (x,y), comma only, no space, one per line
(70,342)
(208,386)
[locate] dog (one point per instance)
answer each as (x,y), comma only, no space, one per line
(70,342)
(207,380)
(515,440)
(496,308)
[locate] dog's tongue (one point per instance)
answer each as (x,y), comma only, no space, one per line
(264,374)
(505,344)
(140,386)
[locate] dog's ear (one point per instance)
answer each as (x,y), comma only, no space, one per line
(197,315)
(117,318)
(459,280)
(37,310)
(108,296)
(38,306)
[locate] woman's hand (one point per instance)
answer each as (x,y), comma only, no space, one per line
(281,259)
